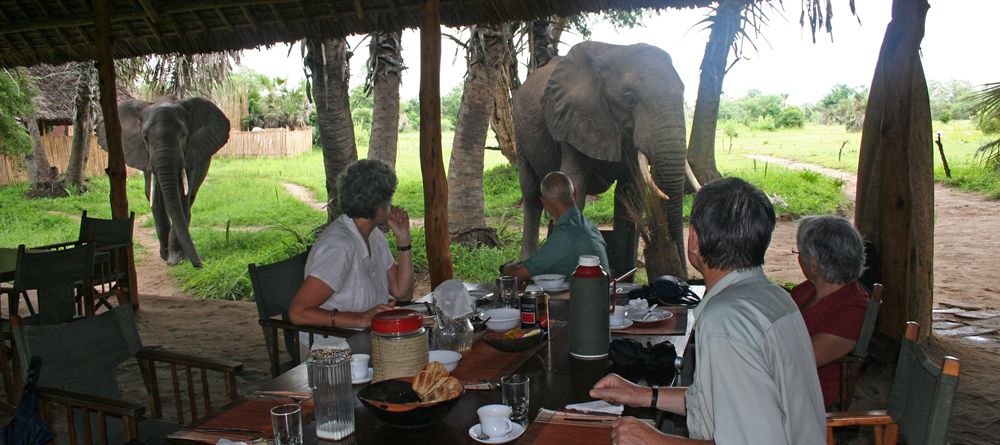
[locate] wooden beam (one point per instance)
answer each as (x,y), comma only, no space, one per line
(249,17)
(150,10)
(109,106)
(431,159)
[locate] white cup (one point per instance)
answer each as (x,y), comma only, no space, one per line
(359,366)
(618,316)
(494,420)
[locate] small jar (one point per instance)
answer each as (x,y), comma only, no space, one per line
(399,344)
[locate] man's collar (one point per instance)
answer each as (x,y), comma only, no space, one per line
(731,278)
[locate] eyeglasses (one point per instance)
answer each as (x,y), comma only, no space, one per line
(795,252)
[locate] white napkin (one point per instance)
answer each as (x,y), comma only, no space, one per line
(224,441)
(597,406)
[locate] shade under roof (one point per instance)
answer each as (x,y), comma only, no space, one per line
(59,31)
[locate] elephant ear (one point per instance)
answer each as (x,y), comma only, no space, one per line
(208,129)
(576,111)
(133,144)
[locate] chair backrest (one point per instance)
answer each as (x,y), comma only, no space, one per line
(868,327)
(275,284)
(82,355)
(106,232)
(53,274)
(622,248)
(922,393)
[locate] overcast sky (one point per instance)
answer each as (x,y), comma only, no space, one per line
(785,61)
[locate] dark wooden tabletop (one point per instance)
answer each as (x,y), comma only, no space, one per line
(556,380)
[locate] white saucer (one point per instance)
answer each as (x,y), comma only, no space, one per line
(654,316)
(625,325)
(514,433)
(624,288)
(371,373)
(562,288)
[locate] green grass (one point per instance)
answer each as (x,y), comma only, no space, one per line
(244,214)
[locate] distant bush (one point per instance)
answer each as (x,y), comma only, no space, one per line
(764,123)
(791,117)
(845,106)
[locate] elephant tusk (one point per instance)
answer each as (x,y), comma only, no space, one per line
(152,189)
(644,171)
(184,181)
(691,177)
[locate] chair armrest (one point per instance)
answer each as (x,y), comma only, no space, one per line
(56,246)
(848,359)
(160,355)
(320,330)
(109,406)
(854,418)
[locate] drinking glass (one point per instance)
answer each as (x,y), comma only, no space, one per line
(508,292)
(515,394)
(287,423)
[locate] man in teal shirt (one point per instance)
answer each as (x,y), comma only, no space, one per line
(571,236)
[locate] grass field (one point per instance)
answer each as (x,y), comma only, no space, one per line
(244,214)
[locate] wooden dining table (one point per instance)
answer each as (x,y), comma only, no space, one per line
(556,380)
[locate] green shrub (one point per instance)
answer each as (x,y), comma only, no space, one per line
(945,116)
(791,117)
(764,123)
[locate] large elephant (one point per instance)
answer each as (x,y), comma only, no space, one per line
(589,114)
(172,142)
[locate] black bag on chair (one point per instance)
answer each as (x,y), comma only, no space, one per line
(667,290)
(27,427)
(653,363)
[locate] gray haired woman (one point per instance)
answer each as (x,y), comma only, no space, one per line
(350,272)
(833,303)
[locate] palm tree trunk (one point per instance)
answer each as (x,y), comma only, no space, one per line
(506,83)
(895,197)
(43,176)
(82,128)
(328,63)
(701,148)
(385,65)
(542,46)
(465,172)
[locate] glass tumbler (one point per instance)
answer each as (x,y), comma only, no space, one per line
(508,292)
(287,423)
(516,395)
(329,372)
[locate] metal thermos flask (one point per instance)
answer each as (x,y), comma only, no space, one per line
(589,301)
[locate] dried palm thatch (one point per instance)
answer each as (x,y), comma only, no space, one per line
(33,32)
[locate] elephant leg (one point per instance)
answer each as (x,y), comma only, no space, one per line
(532,204)
(160,218)
(571,163)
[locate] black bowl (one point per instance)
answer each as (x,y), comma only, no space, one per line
(498,341)
(395,403)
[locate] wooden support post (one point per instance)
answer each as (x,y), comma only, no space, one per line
(431,159)
(113,129)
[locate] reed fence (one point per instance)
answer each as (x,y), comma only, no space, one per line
(276,142)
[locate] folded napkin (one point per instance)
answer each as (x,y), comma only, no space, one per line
(597,406)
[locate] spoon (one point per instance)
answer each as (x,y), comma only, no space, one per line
(481,435)
(651,308)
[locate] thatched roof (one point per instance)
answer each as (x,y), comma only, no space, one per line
(56,32)
(56,85)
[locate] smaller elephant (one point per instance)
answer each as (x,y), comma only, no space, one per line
(172,142)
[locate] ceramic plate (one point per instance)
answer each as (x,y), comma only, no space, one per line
(514,433)
(564,287)
(626,325)
(371,373)
(624,288)
(654,316)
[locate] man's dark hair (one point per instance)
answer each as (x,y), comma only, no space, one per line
(365,186)
(734,221)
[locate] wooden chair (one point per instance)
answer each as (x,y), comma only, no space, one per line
(622,249)
(79,364)
(920,401)
(850,365)
(274,286)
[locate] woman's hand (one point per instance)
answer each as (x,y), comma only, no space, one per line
(399,223)
(628,430)
(613,388)
(366,317)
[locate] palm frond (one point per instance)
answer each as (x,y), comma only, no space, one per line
(989,153)
(987,101)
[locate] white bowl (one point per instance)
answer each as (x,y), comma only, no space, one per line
(503,319)
(447,358)
(549,281)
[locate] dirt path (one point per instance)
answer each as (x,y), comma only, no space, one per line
(305,195)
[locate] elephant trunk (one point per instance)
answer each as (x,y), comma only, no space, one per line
(667,152)
(169,179)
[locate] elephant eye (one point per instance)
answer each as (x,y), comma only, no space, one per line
(628,99)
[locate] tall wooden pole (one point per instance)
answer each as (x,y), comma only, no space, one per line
(431,160)
(113,130)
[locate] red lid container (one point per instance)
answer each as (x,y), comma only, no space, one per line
(399,321)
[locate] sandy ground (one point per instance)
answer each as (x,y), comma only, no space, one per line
(966,244)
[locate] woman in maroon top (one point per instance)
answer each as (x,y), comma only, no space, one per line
(833,303)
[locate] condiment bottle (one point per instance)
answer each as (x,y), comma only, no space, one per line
(589,305)
(399,344)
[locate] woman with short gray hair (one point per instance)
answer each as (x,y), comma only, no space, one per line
(350,272)
(831,255)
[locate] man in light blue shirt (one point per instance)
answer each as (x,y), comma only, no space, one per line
(755,381)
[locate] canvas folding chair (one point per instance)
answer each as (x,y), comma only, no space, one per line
(850,365)
(274,286)
(920,401)
(79,364)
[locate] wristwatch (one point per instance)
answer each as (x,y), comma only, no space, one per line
(403,248)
